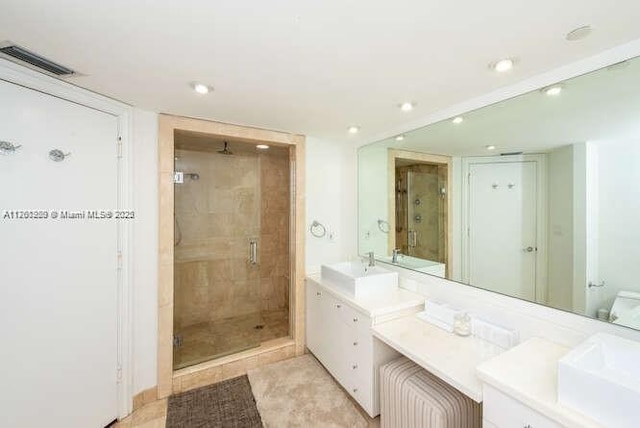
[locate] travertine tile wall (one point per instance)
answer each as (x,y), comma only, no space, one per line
(237,198)
(274,237)
(216,215)
(422,198)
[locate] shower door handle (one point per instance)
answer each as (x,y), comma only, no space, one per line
(253,251)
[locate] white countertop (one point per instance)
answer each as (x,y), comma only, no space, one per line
(452,358)
(528,373)
(376,304)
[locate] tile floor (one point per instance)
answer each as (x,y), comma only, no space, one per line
(209,340)
(154,415)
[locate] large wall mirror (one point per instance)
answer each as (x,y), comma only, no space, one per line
(536,197)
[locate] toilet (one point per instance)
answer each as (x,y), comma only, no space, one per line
(626,309)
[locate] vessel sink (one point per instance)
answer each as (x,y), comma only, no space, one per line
(359,279)
(601,379)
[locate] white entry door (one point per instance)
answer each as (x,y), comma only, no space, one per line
(502,207)
(59,277)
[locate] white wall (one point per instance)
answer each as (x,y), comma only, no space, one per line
(145,249)
(579,227)
(331,199)
(373,202)
(618,225)
(560,203)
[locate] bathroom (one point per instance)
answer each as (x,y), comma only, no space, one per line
(170,300)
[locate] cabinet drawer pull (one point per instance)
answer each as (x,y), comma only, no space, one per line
(318,293)
(355,320)
(355,390)
(527,426)
(355,343)
(338,306)
(355,366)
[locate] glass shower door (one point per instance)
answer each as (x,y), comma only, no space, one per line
(217,293)
(426,212)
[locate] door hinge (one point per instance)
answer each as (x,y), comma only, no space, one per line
(119,257)
(119,373)
(119,144)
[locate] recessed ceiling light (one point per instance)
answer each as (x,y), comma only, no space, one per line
(457,120)
(201,88)
(400,138)
(553,91)
(490,147)
(407,106)
(353,129)
(502,65)
(262,147)
(579,33)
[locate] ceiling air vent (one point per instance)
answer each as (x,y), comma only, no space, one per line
(34,60)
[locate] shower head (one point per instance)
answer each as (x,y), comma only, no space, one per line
(226,150)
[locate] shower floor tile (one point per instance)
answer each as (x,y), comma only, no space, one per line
(209,340)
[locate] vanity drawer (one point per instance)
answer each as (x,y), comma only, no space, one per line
(355,319)
(359,389)
(502,411)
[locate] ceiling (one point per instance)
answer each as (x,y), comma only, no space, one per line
(313,68)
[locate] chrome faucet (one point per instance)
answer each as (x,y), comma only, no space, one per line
(394,255)
(372,259)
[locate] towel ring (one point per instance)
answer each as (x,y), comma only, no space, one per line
(383,225)
(317,229)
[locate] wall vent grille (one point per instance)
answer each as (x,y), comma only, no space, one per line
(35,60)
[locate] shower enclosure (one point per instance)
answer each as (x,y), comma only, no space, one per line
(231,247)
(421,210)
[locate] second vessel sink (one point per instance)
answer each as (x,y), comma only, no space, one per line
(359,279)
(601,378)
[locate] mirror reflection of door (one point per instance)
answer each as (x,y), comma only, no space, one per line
(502,250)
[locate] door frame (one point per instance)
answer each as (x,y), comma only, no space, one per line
(541,215)
(28,78)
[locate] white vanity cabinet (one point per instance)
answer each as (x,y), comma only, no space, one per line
(501,411)
(520,389)
(338,334)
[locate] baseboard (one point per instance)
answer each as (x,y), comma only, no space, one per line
(145,397)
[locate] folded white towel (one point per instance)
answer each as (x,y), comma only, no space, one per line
(435,321)
(441,311)
(500,336)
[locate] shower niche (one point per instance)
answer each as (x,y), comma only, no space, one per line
(231,246)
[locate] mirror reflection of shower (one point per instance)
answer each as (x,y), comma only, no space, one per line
(420,209)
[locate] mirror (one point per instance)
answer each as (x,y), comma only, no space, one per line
(536,197)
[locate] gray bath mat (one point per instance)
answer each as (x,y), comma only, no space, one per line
(227,404)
